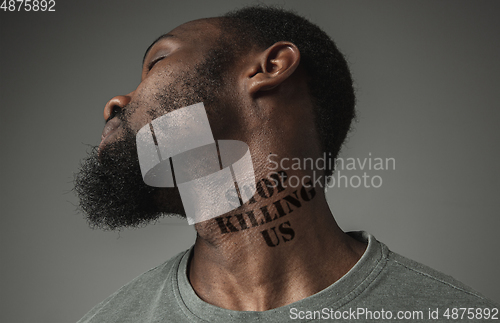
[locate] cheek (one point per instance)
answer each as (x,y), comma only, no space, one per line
(138,120)
(144,107)
(163,91)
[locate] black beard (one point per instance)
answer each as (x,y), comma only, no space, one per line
(113,194)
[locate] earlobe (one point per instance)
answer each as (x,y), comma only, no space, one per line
(273,67)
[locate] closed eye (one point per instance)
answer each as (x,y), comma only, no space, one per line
(150,65)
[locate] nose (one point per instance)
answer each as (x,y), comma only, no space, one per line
(115,104)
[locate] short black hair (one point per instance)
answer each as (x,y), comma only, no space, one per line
(330,82)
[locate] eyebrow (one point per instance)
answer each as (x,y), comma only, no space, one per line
(150,46)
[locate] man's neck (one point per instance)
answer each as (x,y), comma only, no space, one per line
(281,247)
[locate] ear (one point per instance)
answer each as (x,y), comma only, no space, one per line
(272,67)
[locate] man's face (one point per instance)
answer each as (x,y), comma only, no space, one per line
(176,63)
(180,69)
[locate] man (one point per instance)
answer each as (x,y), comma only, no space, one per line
(276,82)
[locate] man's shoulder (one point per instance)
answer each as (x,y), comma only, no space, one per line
(138,297)
(416,284)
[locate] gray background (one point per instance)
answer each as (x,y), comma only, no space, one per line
(428,79)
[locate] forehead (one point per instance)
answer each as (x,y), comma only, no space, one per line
(208,27)
(202,32)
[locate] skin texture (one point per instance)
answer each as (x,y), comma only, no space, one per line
(267,106)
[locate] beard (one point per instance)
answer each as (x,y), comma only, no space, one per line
(111,191)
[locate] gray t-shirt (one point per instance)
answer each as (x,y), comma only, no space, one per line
(382,286)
